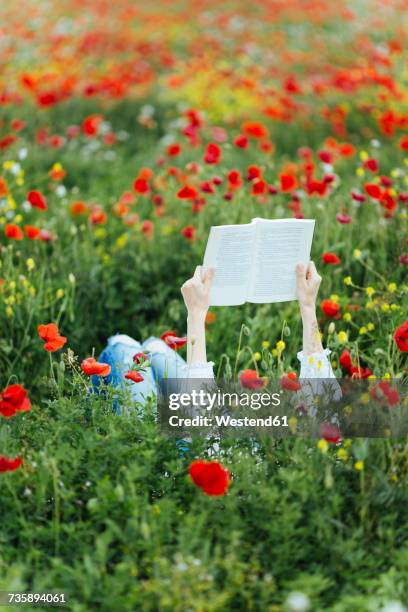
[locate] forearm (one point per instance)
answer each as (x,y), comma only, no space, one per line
(311,335)
(196,347)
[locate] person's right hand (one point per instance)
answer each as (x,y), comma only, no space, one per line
(307,285)
(196,291)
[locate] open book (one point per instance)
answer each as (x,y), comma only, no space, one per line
(255,262)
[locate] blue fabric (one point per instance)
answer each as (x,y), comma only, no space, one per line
(165,364)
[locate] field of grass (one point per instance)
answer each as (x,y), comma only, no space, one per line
(126,132)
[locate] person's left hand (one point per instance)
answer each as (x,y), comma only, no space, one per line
(307,285)
(196,291)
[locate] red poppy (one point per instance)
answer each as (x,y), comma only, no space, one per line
(53,341)
(173,150)
(331,259)
(92,367)
(14,399)
(241,141)
(258,186)
(9,465)
(13,231)
(127,197)
(266,146)
(326,157)
(140,358)
(331,309)
(78,208)
(187,193)
(330,432)
(98,216)
(401,337)
(288,182)
(386,181)
(212,154)
(210,476)
(3,187)
(32,232)
(345,360)
(371,164)
(373,190)
(403,143)
(7,140)
(189,232)
(90,125)
(290,382)
(251,380)
(48,98)
(17,125)
(141,185)
(357,196)
(359,372)
(319,187)
(57,174)
(207,187)
(256,129)
(343,218)
(403,260)
(253,172)
(134,376)
(172,340)
(234,179)
(384,393)
(147,228)
(56,141)
(37,200)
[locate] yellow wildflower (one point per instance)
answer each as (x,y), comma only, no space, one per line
(359,465)
(347,280)
(292,422)
(342,337)
(30,263)
(323,445)
(342,454)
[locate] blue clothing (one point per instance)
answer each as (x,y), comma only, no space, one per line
(164,362)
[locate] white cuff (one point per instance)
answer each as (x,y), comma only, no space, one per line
(315,365)
(201,370)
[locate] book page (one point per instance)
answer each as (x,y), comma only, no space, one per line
(229,251)
(279,246)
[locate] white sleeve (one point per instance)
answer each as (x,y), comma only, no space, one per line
(203,370)
(315,365)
